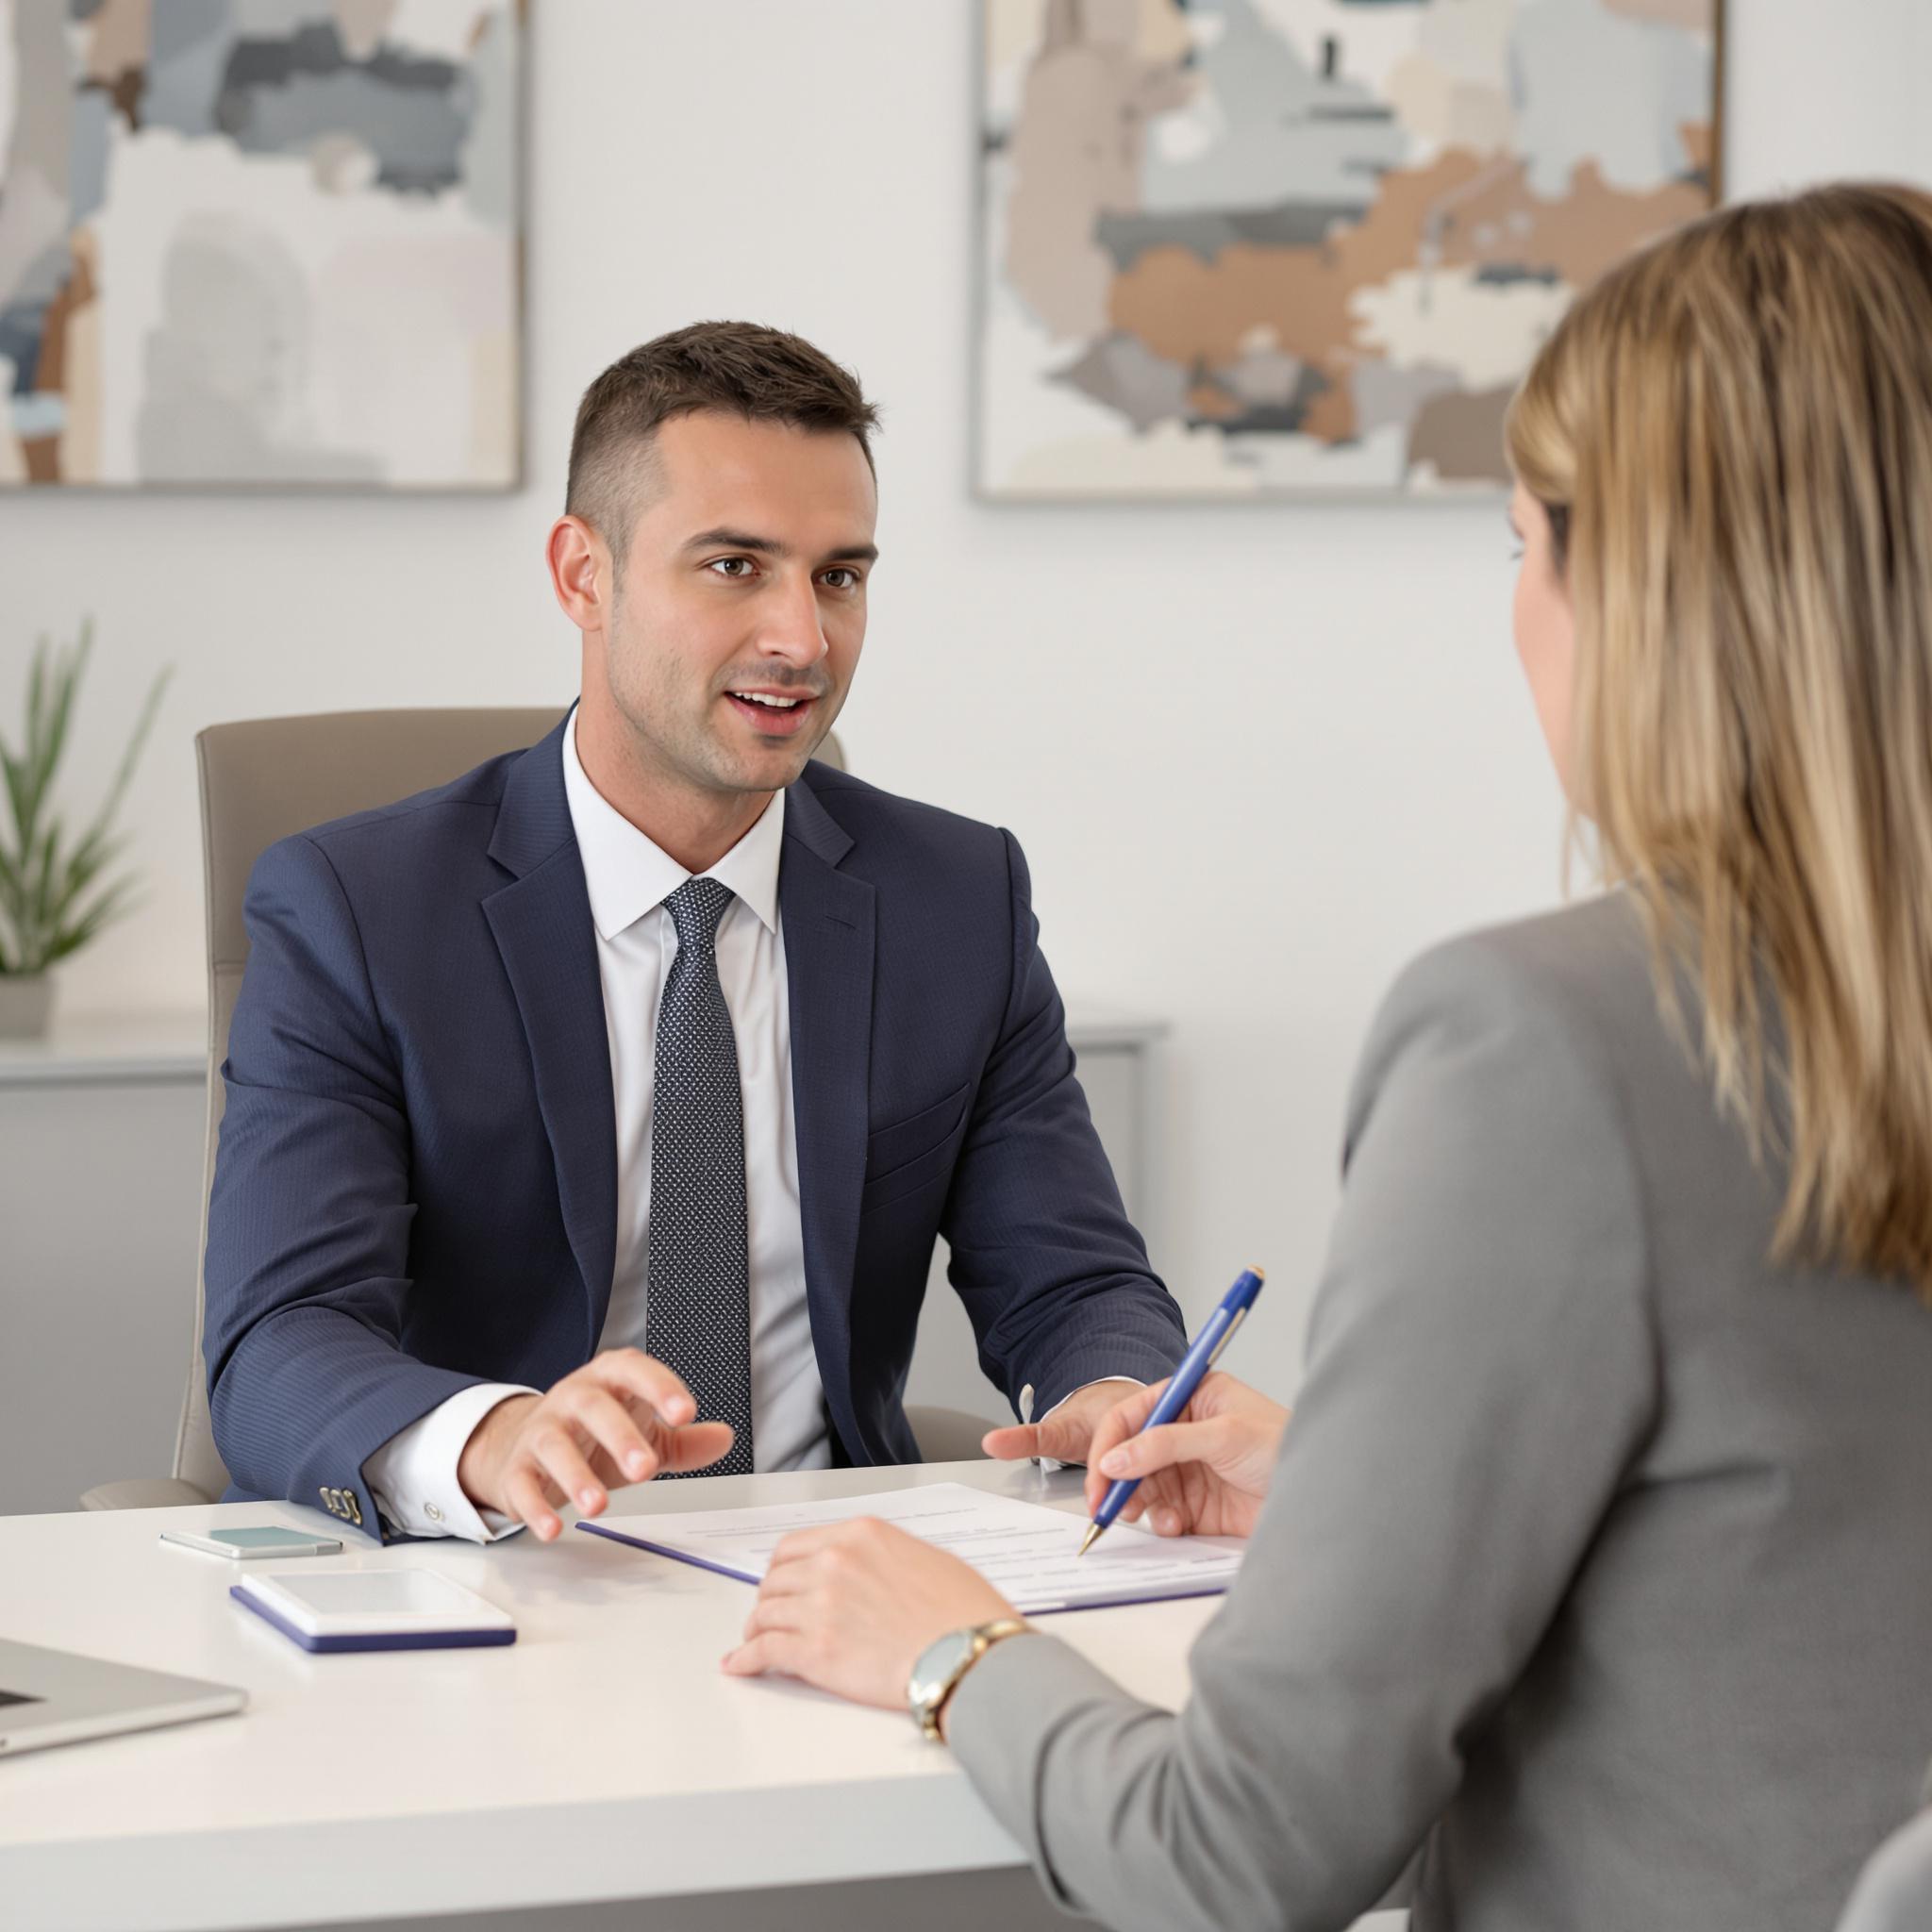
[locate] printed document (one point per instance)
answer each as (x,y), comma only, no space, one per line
(1028,1552)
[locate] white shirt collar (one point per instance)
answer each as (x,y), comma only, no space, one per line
(628,874)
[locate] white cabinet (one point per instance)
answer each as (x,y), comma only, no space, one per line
(101,1132)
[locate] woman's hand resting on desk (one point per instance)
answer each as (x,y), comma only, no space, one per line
(1204,1475)
(851,1606)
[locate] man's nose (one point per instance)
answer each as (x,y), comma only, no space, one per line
(793,627)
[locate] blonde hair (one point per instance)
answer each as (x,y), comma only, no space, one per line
(1735,431)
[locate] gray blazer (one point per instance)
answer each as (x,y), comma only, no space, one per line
(1895,1891)
(1598,1561)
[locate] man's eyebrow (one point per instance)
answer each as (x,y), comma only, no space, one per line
(722,539)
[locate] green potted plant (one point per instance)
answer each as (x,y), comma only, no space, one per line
(56,894)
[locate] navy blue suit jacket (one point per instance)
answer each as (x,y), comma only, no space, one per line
(417,1182)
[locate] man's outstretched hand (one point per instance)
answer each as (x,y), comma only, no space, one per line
(621,1418)
(1065,1434)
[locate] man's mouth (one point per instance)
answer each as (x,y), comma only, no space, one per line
(773,713)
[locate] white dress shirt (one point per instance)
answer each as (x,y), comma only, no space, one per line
(413,1476)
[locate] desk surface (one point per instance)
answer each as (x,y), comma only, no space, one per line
(602,1756)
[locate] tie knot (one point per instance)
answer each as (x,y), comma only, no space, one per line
(696,909)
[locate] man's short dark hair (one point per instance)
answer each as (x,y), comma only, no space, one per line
(737,367)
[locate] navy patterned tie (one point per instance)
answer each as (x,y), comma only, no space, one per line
(697,1316)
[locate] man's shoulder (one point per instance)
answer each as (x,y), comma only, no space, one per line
(888,827)
(460,810)
(421,835)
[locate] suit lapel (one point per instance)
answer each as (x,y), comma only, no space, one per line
(541,924)
(827,921)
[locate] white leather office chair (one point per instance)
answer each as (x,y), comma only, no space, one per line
(261,780)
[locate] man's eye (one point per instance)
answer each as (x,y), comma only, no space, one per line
(736,568)
(851,578)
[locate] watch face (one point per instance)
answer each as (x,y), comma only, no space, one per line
(937,1663)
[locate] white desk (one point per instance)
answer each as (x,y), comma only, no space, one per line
(604,1755)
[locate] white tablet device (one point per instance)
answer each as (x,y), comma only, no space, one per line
(374,1609)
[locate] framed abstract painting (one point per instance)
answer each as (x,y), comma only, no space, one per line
(1253,248)
(248,242)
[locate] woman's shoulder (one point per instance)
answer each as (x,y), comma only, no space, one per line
(1565,1002)
(1587,966)
(1584,950)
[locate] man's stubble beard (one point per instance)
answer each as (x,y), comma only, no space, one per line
(688,752)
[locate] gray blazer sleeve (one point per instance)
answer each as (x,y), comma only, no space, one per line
(1481,1374)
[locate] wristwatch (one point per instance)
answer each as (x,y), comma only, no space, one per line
(942,1664)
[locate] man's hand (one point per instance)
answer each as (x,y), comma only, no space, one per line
(619,1419)
(849,1607)
(1065,1434)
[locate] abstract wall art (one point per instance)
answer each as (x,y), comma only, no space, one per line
(1253,247)
(250,243)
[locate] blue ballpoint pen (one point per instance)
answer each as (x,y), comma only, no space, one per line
(1215,1335)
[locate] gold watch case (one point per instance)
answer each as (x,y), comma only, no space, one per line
(944,1662)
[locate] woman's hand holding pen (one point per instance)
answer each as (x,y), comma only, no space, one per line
(1204,1475)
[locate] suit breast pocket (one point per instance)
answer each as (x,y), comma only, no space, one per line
(909,1154)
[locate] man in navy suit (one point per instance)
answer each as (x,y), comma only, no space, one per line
(594,1116)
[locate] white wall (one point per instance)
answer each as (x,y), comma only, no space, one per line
(1258,755)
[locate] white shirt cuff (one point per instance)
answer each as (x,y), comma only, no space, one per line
(413,1476)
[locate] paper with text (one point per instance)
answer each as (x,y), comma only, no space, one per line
(1026,1551)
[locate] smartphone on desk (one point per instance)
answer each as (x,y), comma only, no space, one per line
(266,1540)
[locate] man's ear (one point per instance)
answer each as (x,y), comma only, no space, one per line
(581,573)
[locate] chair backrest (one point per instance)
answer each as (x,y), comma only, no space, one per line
(261,780)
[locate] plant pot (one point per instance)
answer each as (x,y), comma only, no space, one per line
(25,1001)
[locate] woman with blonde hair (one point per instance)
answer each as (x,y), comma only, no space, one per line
(1596,1559)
